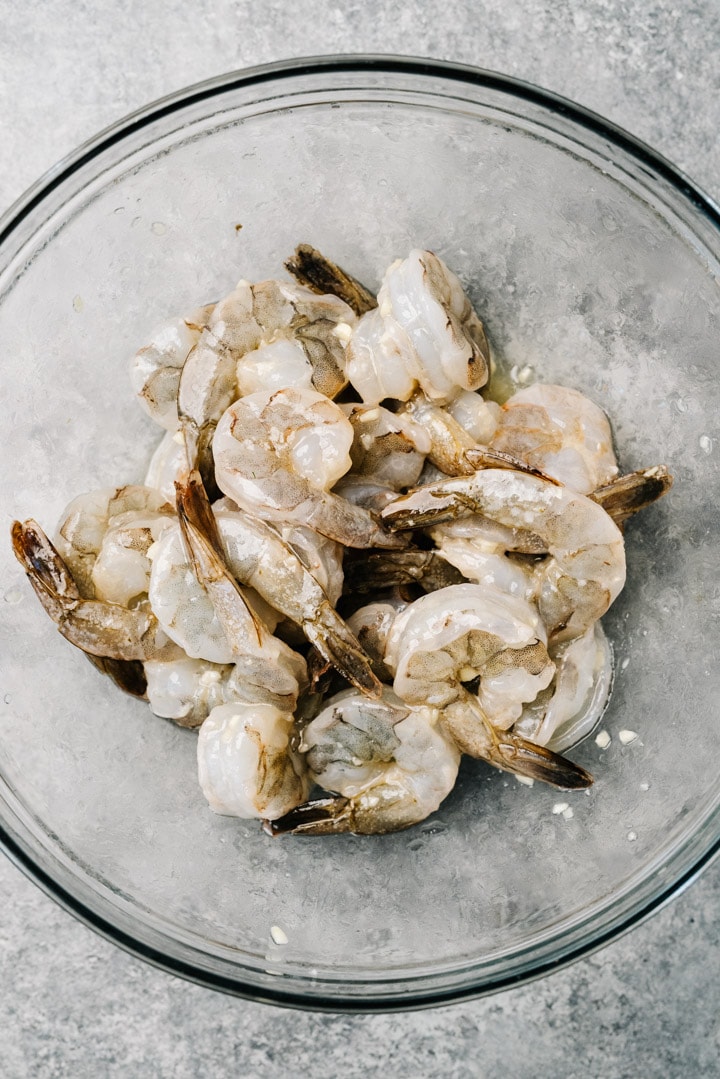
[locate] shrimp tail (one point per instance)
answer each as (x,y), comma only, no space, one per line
(104,632)
(353,526)
(482,457)
(374,571)
(198,450)
(335,641)
(204,546)
(624,496)
(474,734)
(316,272)
(320,816)
(51,579)
(194,511)
(127,674)
(515,754)
(427,506)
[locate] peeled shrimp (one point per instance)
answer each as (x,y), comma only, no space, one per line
(247,766)
(390,766)
(211,620)
(104,536)
(477,548)
(560,432)
(586,567)
(256,556)
(105,630)
(278,454)
(469,631)
(272,334)
(155,368)
(456,635)
(424,332)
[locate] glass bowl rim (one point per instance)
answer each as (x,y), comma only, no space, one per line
(332,65)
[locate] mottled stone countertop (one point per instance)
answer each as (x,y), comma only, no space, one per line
(72,1004)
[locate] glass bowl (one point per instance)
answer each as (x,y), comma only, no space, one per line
(595,264)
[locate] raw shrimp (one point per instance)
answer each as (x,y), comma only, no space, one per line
(268,334)
(468,631)
(101,629)
(571,706)
(155,368)
(424,332)
(278,454)
(258,557)
(104,536)
(390,766)
(323,557)
(560,432)
(270,670)
(586,567)
(211,621)
(474,632)
(247,765)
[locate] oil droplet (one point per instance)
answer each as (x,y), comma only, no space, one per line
(644,787)
(78,303)
(632,836)
(158,228)
(13,595)
(278,935)
(706,444)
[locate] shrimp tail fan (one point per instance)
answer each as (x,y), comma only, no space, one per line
(515,754)
(319,816)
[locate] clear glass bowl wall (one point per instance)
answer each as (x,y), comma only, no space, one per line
(591,262)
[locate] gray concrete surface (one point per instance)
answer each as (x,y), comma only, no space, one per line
(71,1004)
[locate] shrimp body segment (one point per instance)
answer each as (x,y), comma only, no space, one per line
(247,766)
(104,535)
(560,432)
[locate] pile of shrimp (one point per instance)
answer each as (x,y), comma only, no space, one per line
(348,564)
